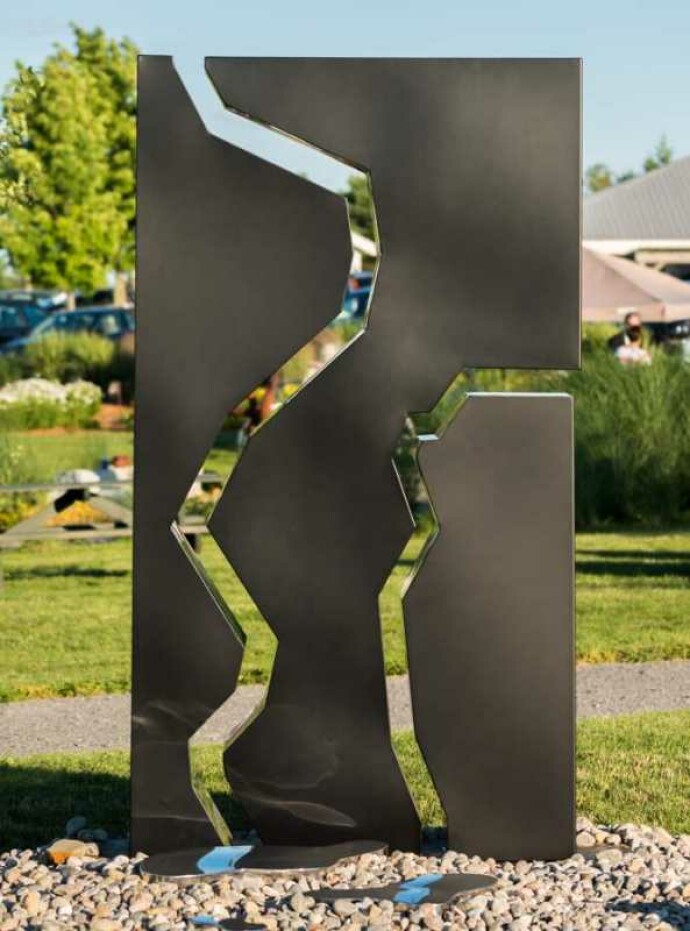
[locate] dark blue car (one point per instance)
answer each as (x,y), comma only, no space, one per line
(17,321)
(110,322)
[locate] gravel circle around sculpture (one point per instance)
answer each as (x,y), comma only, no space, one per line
(641,880)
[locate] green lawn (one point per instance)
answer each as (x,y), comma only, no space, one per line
(42,456)
(634,768)
(633,597)
(66,623)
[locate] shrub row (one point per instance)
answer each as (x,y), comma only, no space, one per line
(37,402)
(632,434)
(67,357)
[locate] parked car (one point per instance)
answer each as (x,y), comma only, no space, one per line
(47,301)
(675,332)
(17,321)
(113,323)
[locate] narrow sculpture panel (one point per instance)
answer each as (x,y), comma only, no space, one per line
(489,625)
(239,264)
(476,178)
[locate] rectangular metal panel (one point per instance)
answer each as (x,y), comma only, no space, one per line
(489,623)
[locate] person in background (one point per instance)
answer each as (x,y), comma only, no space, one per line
(627,345)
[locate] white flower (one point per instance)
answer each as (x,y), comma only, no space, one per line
(49,392)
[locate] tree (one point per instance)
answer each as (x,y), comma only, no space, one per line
(360,205)
(113,66)
(599,176)
(662,155)
(66,165)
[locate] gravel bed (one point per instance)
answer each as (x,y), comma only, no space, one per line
(641,881)
(102,722)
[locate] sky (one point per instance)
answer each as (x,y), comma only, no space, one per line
(636,54)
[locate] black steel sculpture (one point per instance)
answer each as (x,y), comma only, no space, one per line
(475,167)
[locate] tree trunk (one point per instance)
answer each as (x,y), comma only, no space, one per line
(120,296)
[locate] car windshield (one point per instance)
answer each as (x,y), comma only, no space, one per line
(9,317)
(68,322)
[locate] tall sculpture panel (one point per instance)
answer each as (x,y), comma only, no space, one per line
(475,170)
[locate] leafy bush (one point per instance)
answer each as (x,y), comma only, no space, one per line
(632,433)
(17,467)
(632,440)
(11,369)
(68,357)
(37,402)
(595,336)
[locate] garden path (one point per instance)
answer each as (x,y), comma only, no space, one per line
(102,722)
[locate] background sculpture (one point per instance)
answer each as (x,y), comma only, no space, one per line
(475,168)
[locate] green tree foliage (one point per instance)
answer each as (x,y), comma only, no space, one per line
(662,155)
(360,205)
(66,165)
(599,176)
(113,66)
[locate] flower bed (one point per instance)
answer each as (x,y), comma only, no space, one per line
(37,402)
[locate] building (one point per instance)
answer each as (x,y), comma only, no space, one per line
(646,219)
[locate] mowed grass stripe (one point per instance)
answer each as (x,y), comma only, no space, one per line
(65,626)
(632,768)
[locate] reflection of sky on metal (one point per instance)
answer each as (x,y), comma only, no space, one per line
(274,147)
(222,859)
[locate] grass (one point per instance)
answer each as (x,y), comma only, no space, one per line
(633,597)
(45,454)
(66,627)
(631,768)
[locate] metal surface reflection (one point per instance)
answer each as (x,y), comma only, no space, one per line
(432,888)
(217,861)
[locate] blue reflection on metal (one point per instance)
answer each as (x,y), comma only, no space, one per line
(416,890)
(222,859)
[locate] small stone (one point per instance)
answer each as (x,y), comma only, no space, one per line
(32,903)
(476,904)
(105,924)
(301,903)
(585,839)
(61,850)
(344,907)
(430,916)
(141,902)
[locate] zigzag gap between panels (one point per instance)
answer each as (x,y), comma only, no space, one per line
(419,428)
(232,439)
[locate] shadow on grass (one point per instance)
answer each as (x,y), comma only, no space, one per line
(674,914)
(52,572)
(636,554)
(632,568)
(36,802)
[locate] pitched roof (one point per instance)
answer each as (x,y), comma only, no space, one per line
(655,206)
